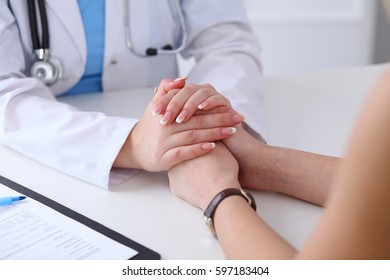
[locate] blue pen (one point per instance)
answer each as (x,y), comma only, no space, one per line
(10,199)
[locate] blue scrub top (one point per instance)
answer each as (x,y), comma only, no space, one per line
(93,16)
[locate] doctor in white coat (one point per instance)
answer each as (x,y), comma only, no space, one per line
(86,144)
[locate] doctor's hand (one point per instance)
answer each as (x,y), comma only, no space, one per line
(189,98)
(154,147)
(181,103)
(199,180)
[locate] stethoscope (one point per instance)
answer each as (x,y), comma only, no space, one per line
(48,69)
(167,49)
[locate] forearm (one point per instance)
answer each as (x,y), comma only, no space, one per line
(243,235)
(126,157)
(296,173)
(80,144)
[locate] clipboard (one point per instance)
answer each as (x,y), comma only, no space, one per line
(144,253)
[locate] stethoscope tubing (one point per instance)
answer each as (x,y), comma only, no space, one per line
(45,44)
(168,49)
(48,69)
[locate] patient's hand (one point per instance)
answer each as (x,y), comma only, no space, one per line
(199,180)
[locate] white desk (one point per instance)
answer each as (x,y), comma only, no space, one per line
(313,112)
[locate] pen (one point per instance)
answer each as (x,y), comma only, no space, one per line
(10,199)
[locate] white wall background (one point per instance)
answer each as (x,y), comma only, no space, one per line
(312,35)
(306,35)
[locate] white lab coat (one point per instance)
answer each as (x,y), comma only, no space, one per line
(85,144)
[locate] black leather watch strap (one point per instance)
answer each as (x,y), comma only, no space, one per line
(210,210)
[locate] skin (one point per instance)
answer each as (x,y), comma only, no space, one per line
(304,175)
(211,178)
(155,147)
(181,107)
(354,224)
(301,174)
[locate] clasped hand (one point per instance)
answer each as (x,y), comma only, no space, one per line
(158,143)
(198,180)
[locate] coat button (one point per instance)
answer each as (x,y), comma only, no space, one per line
(113,62)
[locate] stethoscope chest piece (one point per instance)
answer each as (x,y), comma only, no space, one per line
(47,71)
(46,68)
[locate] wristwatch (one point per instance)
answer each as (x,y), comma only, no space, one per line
(210,210)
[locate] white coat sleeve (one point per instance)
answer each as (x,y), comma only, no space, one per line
(32,122)
(227,55)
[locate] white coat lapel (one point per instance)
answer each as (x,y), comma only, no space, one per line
(114,27)
(68,12)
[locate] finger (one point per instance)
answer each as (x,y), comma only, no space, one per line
(213,102)
(210,102)
(177,155)
(184,105)
(191,104)
(175,105)
(163,101)
(167,84)
(217,110)
(210,121)
(190,137)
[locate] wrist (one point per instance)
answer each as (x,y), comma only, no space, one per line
(267,167)
(218,187)
(220,198)
(251,156)
(127,157)
(262,167)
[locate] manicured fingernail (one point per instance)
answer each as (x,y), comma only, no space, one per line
(229,130)
(202,105)
(155,90)
(166,118)
(181,78)
(238,118)
(208,146)
(181,116)
(157,110)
